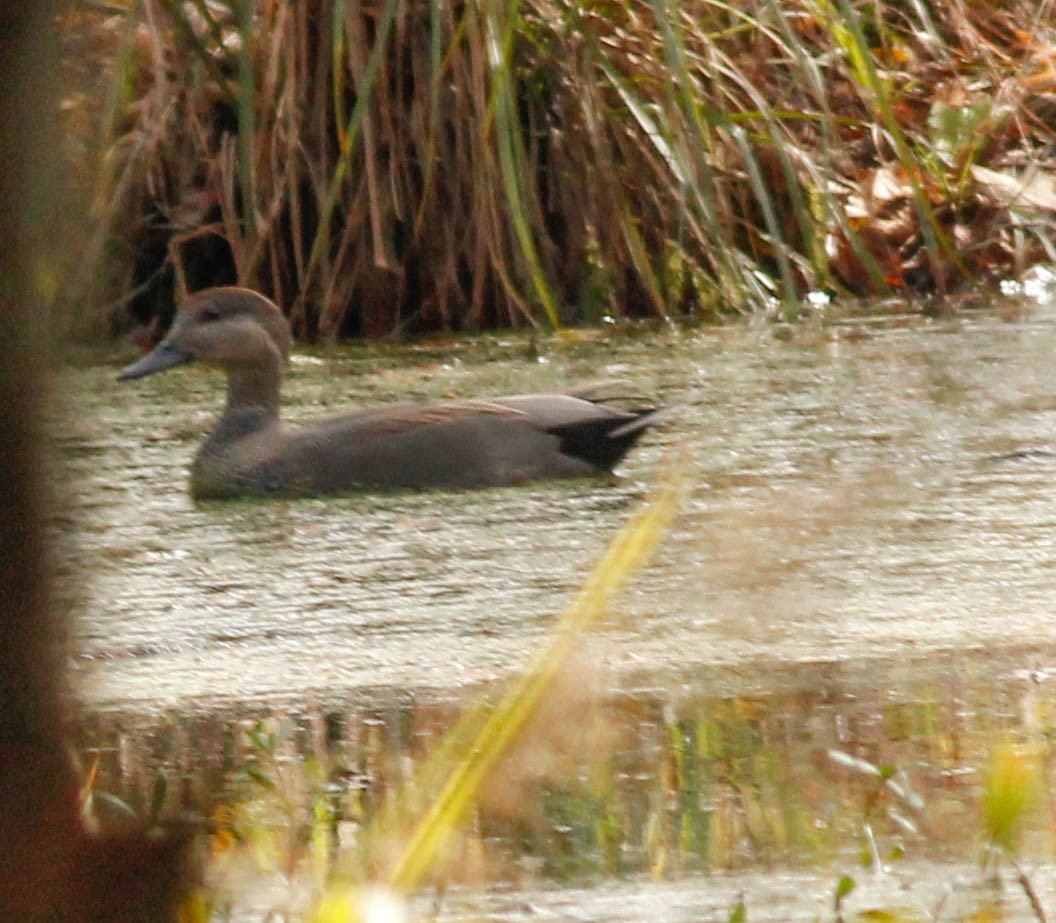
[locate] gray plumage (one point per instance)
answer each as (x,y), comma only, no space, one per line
(437,444)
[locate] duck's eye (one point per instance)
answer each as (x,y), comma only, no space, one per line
(209,314)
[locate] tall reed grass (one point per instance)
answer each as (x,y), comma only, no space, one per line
(413,164)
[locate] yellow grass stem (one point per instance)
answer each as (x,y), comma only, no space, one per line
(626,554)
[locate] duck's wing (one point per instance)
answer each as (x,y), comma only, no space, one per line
(393,419)
(554,412)
(561,411)
(609,391)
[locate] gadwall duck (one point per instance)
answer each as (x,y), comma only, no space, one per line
(445,444)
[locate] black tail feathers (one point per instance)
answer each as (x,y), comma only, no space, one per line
(602,443)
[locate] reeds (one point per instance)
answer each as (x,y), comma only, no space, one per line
(414,164)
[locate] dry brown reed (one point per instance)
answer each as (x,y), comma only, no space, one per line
(414,164)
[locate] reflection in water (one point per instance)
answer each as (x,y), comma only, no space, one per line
(857,569)
(836,773)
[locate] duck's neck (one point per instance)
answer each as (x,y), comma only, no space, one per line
(255,388)
(252,412)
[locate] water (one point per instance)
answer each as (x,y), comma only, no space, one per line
(846,504)
(855,529)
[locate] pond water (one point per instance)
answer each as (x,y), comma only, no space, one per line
(869,525)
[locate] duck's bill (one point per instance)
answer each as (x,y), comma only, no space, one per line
(164,356)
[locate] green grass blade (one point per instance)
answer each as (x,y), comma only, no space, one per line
(512,161)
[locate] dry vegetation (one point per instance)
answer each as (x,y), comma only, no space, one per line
(411,164)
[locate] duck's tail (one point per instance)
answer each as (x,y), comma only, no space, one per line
(603,442)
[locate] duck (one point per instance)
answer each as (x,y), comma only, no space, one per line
(443,444)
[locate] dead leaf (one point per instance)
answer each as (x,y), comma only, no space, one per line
(1033,188)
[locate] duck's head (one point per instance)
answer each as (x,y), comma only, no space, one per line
(231,327)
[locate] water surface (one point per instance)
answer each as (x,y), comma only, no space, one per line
(846,503)
(865,563)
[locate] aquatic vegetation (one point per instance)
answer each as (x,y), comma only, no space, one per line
(423,166)
(307,813)
(1013,789)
